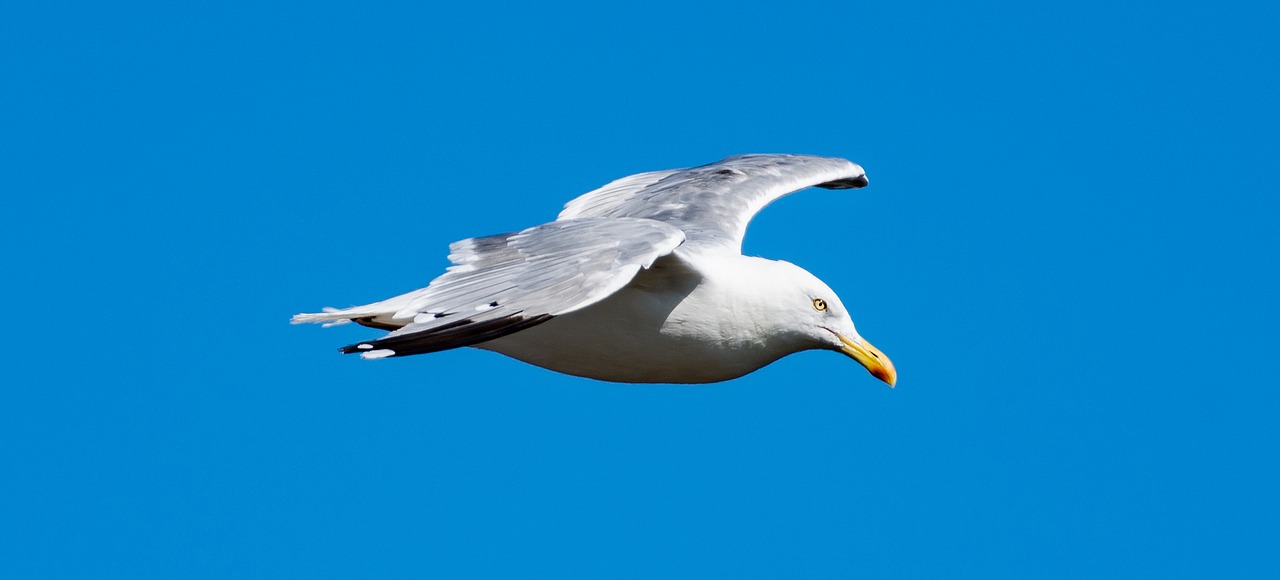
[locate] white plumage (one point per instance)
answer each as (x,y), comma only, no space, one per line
(641,280)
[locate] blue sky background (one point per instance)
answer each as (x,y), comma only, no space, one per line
(1068,247)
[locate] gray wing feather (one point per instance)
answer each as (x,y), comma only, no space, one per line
(713,203)
(503,283)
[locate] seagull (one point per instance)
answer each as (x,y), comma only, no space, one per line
(640,281)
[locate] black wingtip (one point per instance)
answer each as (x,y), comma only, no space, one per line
(858,182)
(355,348)
(371,323)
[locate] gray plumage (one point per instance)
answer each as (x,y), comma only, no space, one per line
(713,203)
(566,294)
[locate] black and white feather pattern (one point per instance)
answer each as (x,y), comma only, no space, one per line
(504,283)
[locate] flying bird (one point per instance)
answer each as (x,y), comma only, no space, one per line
(640,281)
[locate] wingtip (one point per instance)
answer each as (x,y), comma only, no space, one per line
(367,350)
(858,182)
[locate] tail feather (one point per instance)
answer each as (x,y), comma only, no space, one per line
(335,317)
(384,311)
(330,317)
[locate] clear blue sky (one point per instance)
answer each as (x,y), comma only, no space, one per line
(1068,247)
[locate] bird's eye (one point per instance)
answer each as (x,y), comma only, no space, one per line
(819,304)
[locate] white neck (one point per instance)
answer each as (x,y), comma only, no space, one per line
(748,294)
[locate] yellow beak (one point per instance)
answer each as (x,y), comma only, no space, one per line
(869,356)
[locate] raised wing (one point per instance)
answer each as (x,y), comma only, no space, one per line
(713,203)
(505,283)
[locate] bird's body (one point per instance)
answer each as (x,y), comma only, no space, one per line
(659,331)
(640,281)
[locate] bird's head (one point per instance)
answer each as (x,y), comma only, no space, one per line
(823,322)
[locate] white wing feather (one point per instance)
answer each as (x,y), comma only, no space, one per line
(713,203)
(499,281)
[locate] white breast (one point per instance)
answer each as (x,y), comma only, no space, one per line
(682,321)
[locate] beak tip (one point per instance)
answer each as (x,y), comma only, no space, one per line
(872,359)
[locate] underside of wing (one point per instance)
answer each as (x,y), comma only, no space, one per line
(713,203)
(505,283)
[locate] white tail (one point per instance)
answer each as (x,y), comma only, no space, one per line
(330,317)
(381,314)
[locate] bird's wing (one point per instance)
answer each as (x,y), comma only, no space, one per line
(713,203)
(508,282)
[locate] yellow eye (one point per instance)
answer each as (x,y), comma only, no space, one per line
(819,304)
